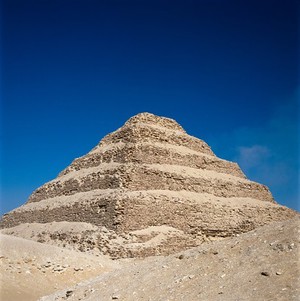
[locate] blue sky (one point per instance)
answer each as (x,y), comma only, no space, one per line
(74,70)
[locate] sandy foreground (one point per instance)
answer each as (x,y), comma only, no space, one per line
(30,269)
(259,265)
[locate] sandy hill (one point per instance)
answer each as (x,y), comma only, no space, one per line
(30,270)
(261,265)
(146,189)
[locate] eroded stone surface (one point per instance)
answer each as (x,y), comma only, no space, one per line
(149,173)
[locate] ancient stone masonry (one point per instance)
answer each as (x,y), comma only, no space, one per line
(147,153)
(150,173)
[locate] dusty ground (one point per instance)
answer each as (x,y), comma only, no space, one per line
(30,270)
(260,265)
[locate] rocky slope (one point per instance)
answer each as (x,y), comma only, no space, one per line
(30,270)
(146,189)
(261,265)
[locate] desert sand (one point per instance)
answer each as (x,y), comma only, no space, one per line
(30,269)
(262,264)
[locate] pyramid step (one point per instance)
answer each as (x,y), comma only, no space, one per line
(145,153)
(140,132)
(148,177)
(125,211)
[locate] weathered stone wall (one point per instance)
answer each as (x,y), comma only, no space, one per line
(100,180)
(196,219)
(138,133)
(170,246)
(100,212)
(125,213)
(140,177)
(151,154)
(145,178)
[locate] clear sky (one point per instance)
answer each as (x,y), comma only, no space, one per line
(74,70)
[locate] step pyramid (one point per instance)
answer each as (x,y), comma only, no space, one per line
(150,174)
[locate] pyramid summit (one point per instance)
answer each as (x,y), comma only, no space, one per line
(149,118)
(150,187)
